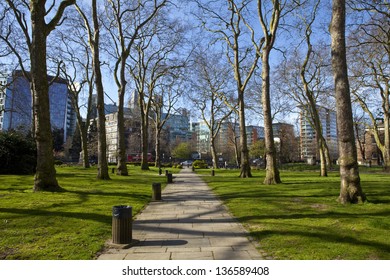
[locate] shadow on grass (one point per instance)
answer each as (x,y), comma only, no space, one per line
(329,237)
(275,194)
(324,215)
(136,196)
(76,215)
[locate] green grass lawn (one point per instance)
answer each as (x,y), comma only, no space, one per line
(301,219)
(73,224)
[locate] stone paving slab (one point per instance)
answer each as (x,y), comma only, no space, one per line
(190,223)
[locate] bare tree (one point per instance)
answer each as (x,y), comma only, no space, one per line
(370,67)
(166,96)
(93,31)
(269,27)
(211,87)
(350,191)
(35,37)
(306,78)
(76,67)
(154,57)
(128,18)
(231,26)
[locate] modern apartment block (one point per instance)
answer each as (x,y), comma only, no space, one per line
(308,143)
(16,104)
(177,128)
(254,133)
(3,86)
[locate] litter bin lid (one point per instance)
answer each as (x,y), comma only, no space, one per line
(122,211)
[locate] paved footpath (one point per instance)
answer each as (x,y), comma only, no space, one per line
(190,223)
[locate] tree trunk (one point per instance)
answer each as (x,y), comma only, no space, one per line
(84,143)
(351,191)
(213,151)
(144,133)
(324,169)
(245,167)
(101,124)
(145,146)
(45,177)
(386,141)
(157,147)
(122,158)
(272,172)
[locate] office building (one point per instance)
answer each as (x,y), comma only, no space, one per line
(16,104)
(308,143)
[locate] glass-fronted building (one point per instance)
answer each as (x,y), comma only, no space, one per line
(17,105)
(309,149)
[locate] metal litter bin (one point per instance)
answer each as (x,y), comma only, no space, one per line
(122,224)
(170,178)
(156,194)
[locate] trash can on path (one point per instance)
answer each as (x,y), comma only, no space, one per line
(122,224)
(156,194)
(170,178)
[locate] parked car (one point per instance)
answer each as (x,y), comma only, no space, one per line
(187,163)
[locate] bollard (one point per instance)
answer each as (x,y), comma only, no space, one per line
(193,168)
(113,170)
(159,171)
(156,194)
(166,172)
(122,224)
(170,178)
(213,172)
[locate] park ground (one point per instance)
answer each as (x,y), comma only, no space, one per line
(298,219)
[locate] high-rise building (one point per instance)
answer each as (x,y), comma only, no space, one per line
(177,127)
(3,86)
(16,104)
(254,133)
(309,149)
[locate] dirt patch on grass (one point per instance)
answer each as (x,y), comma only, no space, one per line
(319,206)
(7,252)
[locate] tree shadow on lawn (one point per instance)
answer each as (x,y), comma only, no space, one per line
(261,193)
(325,215)
(44,213)
(374,194)
(329,237)
(95,192)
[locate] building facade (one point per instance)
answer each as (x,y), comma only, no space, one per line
(3,87)
(308,141)
(16,104)
(177,128)
(254,133)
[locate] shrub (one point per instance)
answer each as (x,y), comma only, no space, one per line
(18,153)
(200,164)
(58,162)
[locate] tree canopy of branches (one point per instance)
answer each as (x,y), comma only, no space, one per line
(128,21)
(75,58)
(93,30)
(306,77)
(232,31)
(153,61)
(370,67)
(211,92)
